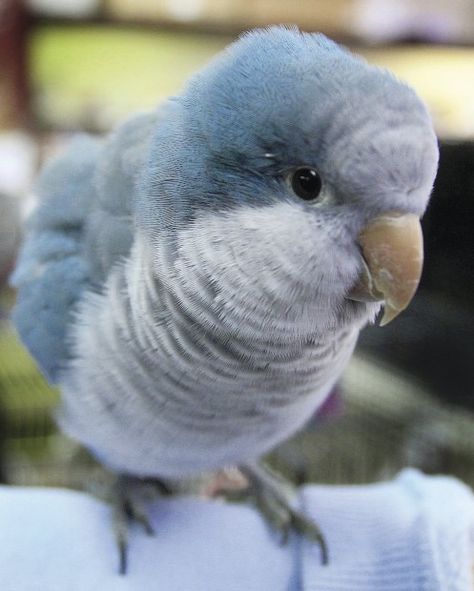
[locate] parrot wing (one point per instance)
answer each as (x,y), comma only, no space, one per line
(82,226)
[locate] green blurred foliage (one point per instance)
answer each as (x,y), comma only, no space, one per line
(102,73)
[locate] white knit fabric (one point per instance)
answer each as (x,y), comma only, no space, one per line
(412,534)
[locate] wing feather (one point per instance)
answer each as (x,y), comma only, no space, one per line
(83,225)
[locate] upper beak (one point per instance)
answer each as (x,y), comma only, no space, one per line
(392,250)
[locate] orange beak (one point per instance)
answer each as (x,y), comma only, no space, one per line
(392,250)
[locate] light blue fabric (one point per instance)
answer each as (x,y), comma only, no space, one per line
(412,534)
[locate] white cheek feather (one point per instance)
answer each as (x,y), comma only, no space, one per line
(212,354)
(273,262)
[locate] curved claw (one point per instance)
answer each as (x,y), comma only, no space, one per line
(268,489)
(129,498)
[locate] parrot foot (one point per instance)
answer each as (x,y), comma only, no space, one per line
(271,494)
(130,497)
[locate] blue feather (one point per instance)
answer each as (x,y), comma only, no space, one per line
(80,229)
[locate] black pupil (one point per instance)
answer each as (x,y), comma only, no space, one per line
(306,183)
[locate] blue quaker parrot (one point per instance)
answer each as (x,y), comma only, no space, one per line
(196,282)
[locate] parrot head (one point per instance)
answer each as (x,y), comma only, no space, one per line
(288,181)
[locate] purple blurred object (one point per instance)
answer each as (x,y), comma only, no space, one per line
(332,407)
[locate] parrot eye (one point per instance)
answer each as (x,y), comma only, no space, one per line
(306,183)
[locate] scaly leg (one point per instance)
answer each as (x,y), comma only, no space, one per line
(130,497)
(272,495)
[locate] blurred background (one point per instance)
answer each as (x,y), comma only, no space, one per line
(407,398)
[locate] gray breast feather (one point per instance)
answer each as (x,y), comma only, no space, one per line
(165,383)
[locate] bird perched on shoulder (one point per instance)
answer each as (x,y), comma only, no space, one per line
(196,282)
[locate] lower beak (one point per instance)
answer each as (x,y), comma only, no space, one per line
(392,250)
